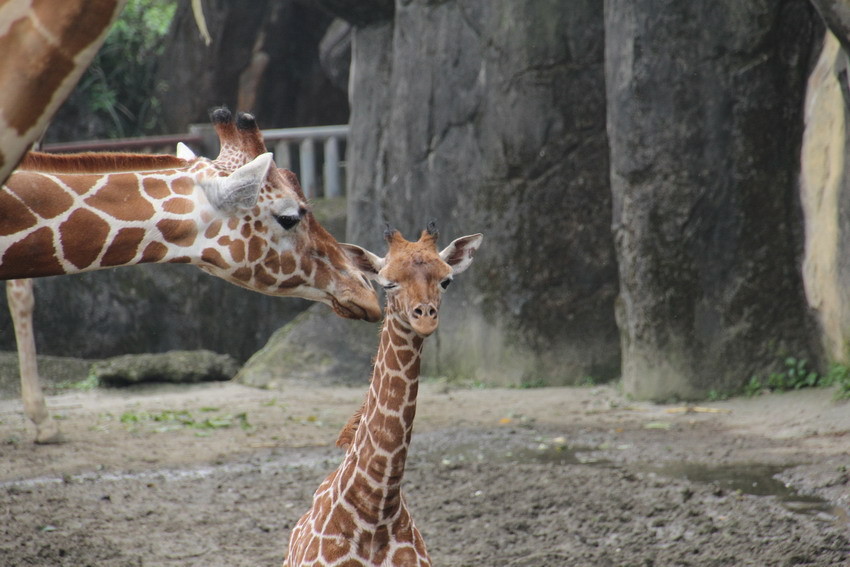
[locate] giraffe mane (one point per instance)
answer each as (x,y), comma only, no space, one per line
(98,162)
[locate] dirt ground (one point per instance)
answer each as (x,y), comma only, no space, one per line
(217,475)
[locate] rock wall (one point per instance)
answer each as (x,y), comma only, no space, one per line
(705,122)
(483,116)
(826,199)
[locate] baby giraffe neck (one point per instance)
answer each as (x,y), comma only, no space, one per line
(380,446)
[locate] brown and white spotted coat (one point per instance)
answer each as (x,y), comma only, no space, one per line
(359,516)
(246,222)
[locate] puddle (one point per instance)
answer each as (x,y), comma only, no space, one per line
(556,454)
(752,479)
(756,480)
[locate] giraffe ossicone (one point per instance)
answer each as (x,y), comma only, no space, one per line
(359,516)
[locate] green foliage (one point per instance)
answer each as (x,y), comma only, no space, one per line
(87,384)
(839,375)
(171,420)
(797,375)
(118,89)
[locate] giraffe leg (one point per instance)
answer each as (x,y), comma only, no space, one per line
(21,302)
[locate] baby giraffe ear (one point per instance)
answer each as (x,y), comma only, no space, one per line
(366,262)
(240,189)
(459,253)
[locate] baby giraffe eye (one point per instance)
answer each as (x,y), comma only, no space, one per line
(445,283)
(390,285)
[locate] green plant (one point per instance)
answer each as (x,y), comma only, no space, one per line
(717,396)
(88,383)
(797,375)
(117,95)
(170,420)
(753,387)
(839,375)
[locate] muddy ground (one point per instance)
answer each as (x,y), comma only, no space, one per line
(217,475)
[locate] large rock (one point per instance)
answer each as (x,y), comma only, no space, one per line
(316,348)
(181,367)
(705,122)
(483,115)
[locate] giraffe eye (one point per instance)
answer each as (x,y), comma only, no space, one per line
(445,283)
(287,221)
(390,285)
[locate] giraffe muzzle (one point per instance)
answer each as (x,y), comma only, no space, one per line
(366,307)
(424,318)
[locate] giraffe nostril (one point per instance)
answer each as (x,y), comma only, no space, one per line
(424,311)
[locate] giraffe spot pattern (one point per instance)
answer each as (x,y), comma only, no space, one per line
(20,253)
(36,201)
(237,250)
(262,276)
(214,257)
(287,263)
(52,16)
(183,186)
(155,187)
(116,201)
(22,115)
(256,247)
(14,215)
(154,252)
(180,232)
(124,247)
(80,237)
(178,206)
(243,274)
(213,229)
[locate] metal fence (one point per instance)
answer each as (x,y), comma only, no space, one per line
(315,153)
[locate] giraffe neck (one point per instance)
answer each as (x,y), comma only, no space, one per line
(63,223)
(379,451)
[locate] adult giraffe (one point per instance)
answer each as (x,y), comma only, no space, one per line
(359,516)
(237,217)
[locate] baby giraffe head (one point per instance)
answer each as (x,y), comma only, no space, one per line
(415,274)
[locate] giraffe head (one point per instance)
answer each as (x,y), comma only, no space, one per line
(415,274)
(289,251)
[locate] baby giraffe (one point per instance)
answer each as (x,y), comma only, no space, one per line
(359,517)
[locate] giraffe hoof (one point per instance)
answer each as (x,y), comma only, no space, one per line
(48,433)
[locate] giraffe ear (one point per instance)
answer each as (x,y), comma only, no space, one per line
(240,189)
(366,262)
(185,152)
(459,253)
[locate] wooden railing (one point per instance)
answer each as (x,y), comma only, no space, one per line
(315,153)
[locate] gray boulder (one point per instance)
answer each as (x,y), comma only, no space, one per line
(316,348)
(183,367)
